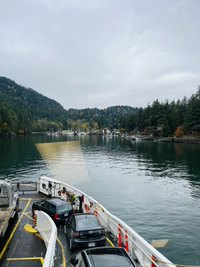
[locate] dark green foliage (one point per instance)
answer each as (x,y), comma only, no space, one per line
(20,107)
(193,118)
(162,119)
(23,110)
(112,117)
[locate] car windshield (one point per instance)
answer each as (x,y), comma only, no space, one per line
(63,208)
(86,222)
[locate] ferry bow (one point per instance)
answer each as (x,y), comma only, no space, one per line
(121,234)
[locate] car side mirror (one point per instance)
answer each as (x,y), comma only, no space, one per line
(73,261)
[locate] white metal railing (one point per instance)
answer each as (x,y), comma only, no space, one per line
(137,247)
(48,231)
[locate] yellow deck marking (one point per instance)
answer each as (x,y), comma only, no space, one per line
(26,214)
(110,242)
(29,212)
(14,249)
(14,230)
(25,199)
(30,229)
(62,249)
(35,258)
(63,253)
(27,259)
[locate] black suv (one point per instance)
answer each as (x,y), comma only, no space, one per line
(105,256)
(58,209)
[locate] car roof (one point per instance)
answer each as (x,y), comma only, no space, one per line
(108,256)
(57,201)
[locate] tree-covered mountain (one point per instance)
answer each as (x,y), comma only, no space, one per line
(98,119)
(24,110)
(159,119)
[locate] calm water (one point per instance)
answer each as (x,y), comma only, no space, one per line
(154,188)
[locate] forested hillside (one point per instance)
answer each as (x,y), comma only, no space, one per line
(158,119)
(23,110)
(115,117)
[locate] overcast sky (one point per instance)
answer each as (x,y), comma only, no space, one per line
(101,53)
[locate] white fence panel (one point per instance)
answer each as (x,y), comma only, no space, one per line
(48,231)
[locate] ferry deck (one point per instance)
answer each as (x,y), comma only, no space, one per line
(48,246)
(26,248)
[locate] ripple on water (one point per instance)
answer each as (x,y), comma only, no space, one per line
(154,188)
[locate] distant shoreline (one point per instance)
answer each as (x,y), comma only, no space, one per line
(181,140)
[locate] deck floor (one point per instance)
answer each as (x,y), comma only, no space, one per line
(23,244)
(25,248)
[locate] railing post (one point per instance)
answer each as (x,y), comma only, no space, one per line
(119,236)
(35,218)
(153,260)
(126,241)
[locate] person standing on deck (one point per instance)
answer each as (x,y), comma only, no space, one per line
(50,189)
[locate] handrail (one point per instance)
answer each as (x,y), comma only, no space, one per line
(48,231)
(136,246)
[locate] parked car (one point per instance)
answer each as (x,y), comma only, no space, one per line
(58,209)
(106,257)
(84,230)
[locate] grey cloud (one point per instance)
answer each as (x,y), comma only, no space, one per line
(102,53)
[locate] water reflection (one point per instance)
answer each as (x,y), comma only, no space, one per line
(19,159)
(153,187)
(65,160)
(174,161)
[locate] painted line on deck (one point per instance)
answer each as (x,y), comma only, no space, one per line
(110,242)
(63,253)
(27,259)
(14,230)
(26,214)
(14,249)
(25,199)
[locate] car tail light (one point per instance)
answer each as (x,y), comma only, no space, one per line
(56,217)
